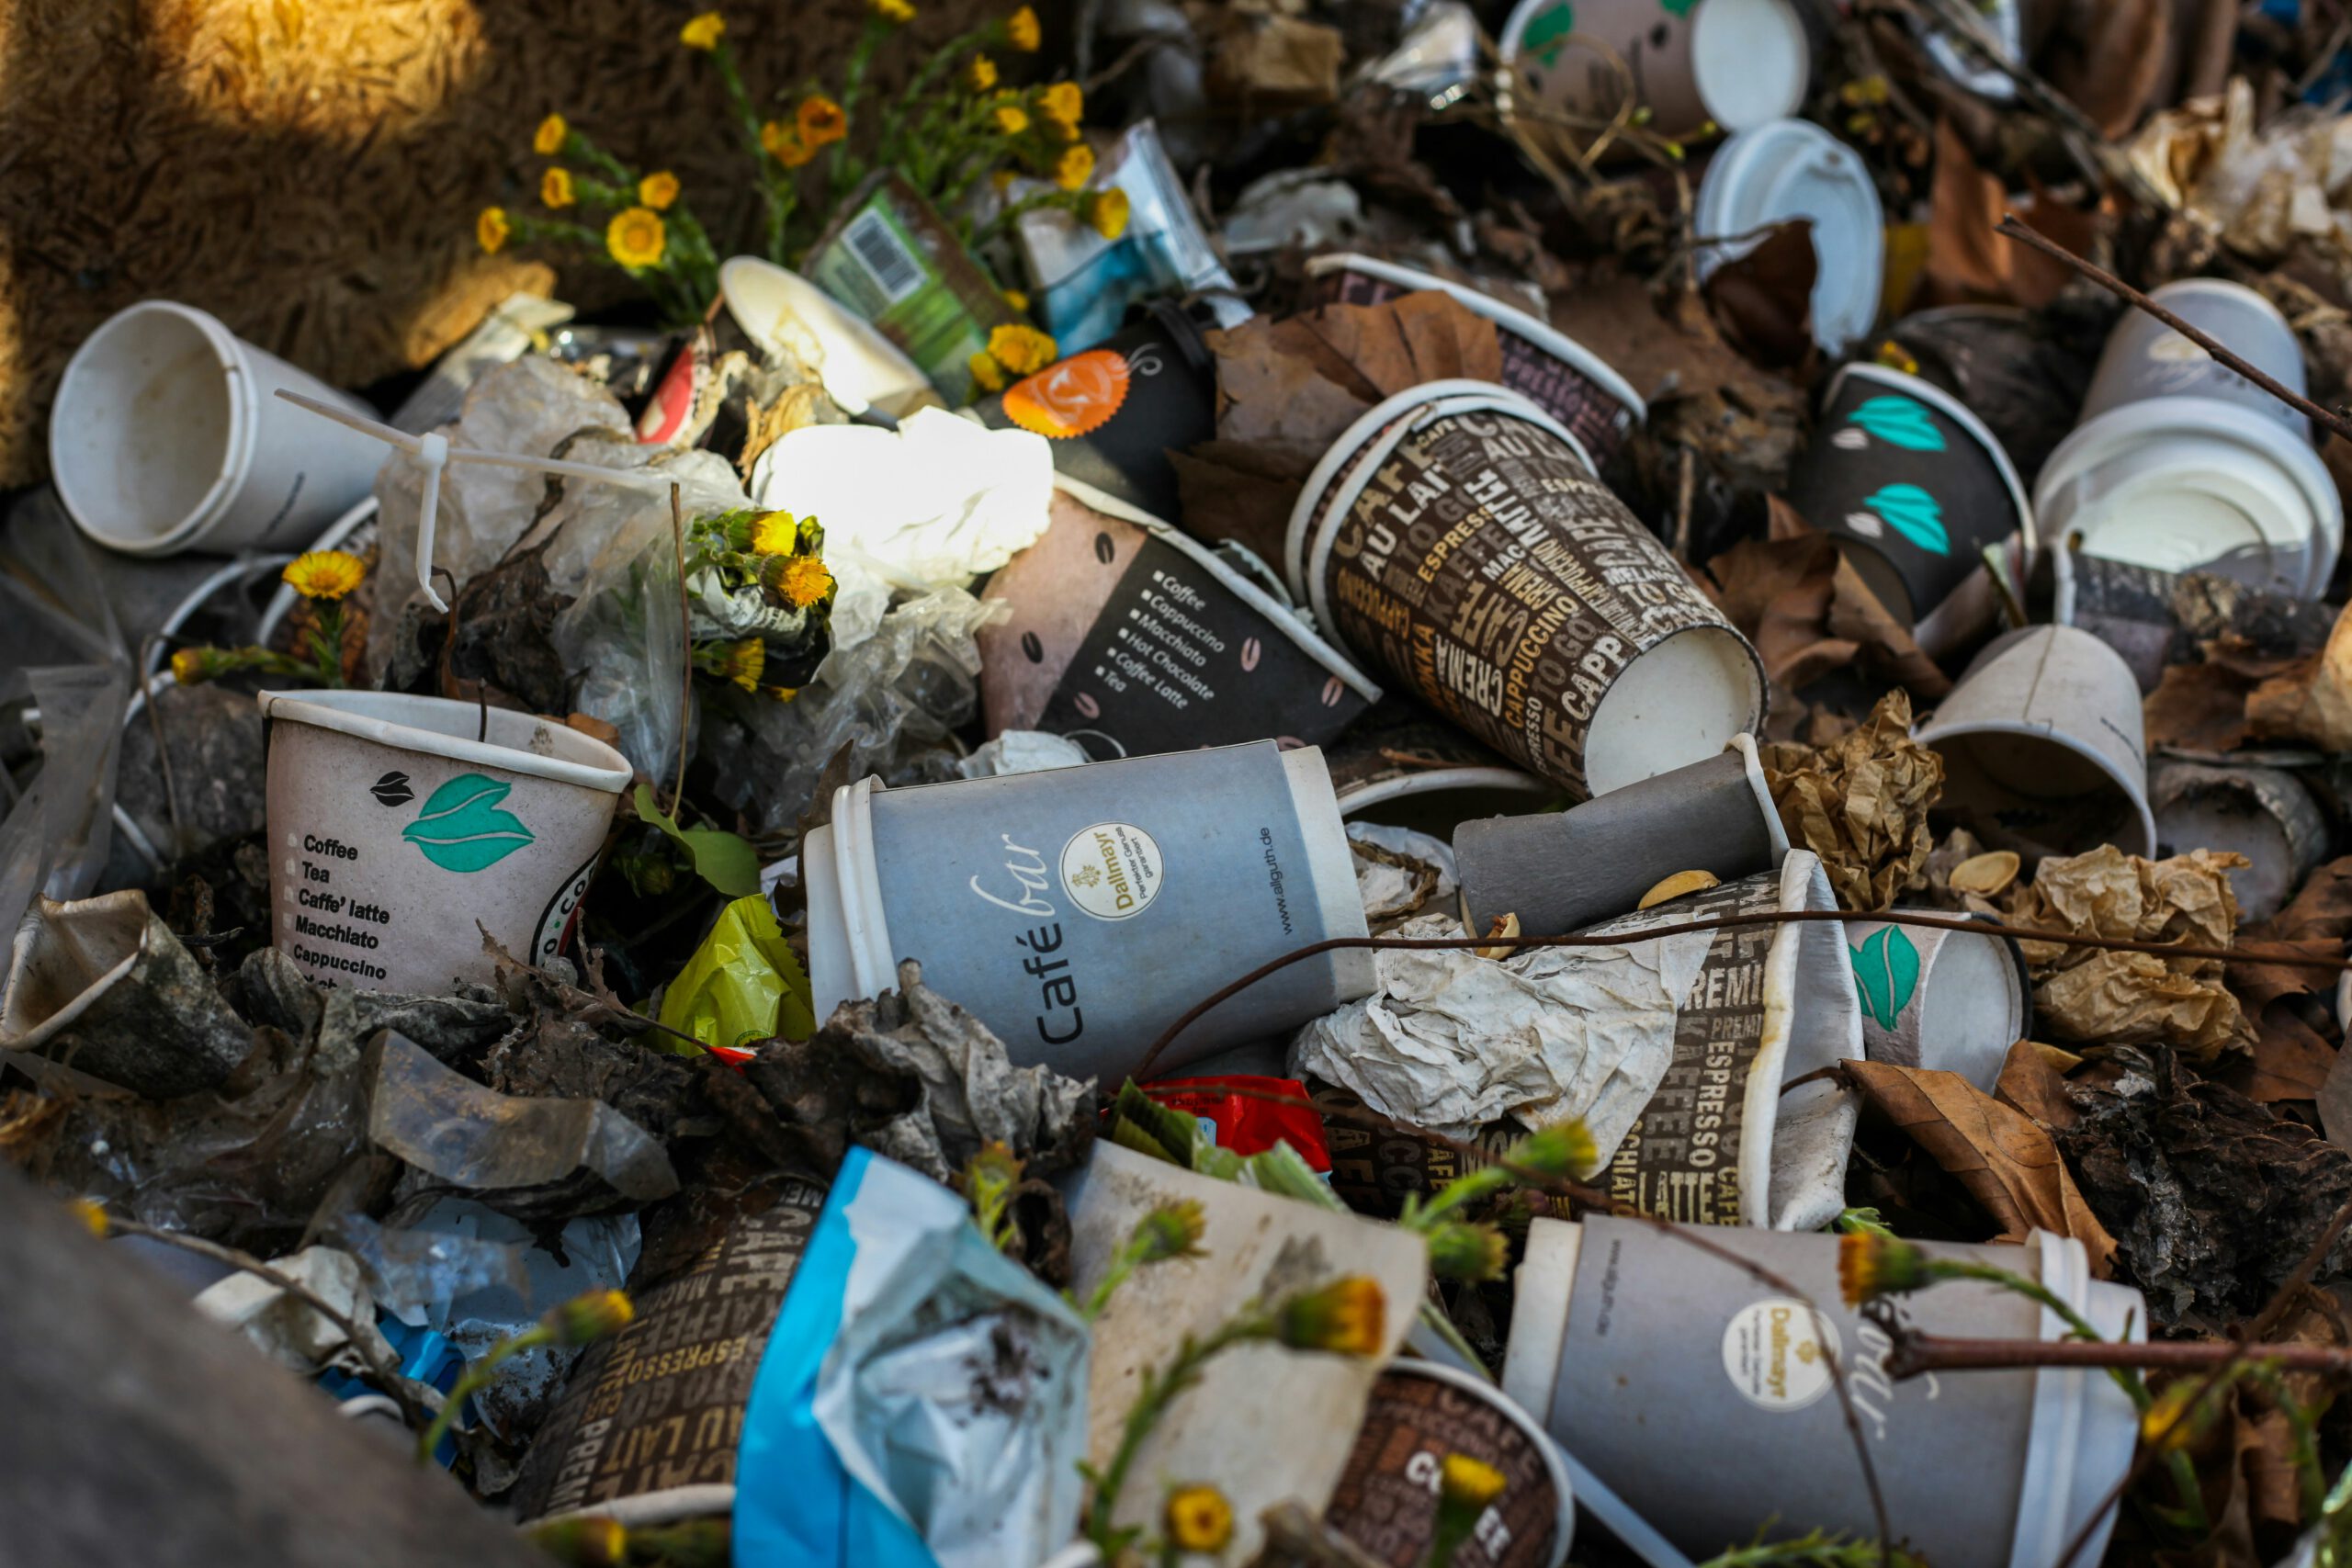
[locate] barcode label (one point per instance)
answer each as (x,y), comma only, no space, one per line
(885,258)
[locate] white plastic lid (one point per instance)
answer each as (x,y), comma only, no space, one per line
(784,313)
(1750,60)
(2176,483)
(1790,169)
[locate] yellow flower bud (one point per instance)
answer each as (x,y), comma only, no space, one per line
(548,139)
(704,32)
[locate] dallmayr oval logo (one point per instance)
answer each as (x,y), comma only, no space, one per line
(1773,1356)
(1111,870)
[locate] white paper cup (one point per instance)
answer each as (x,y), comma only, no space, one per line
(783,313)
(2042,746)
(2264,814)
(396,840)
(1078,912)
(1736,62)
(1645,1357)
(1790,169)
(2182,464)
(166,436)
(1949,1002)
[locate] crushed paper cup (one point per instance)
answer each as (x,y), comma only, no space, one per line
(783,313)
(1948,1001)
(1995,1468)
(2264,814)
(396,839)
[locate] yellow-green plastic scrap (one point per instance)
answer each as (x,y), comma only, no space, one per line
(744,983)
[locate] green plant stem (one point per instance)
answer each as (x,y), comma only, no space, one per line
(1159,1388)
(839,174)
(892,148)
(575,145)
(476,1378)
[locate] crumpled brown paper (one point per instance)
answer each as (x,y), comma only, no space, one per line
(1861,805)
(2109,999)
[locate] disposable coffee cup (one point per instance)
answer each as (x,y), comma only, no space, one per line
(1426,775)
(646,1429)
(1457,537)
(2181,464)
(2155,619)
(1557,871)
(2042,746)
(1113,412)
(1731,1136)
(1786,170)
(1556,373)
(1948,1001)
(2264,814)
(1131,639)
(398,841)
(1080,911)
(1386,1502)
(1912,487)
(1734,62)
(167,436)
(1982,1468)
(786,315)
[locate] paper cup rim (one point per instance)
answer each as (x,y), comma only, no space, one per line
(2127,426)
(1960,413)
(1752,764)
(1436,781)
(2053,1463)
(1545,335)
(244,424)
(805,296)
(1729,173)
(1282,618)
(1303,564)
(373,716)
(1516,1414)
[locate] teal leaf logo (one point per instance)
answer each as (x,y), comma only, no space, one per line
(1899,421)
(1678,7)
(461,828)
(1913,514)
(1886,970)
(1548,32)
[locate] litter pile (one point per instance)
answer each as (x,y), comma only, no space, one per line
(1283,784)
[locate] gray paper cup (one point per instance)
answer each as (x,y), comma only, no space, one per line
(1724,1140)
(2144,358)
(1425,775)
(1736,62)
(1646,1356)
(1078,912)
(396,840)
(1457,537)
(2158,618)
(1949,1002)
(1557,871)
(1130,638)
(2042,748)
(1420,1412)
(2264,814)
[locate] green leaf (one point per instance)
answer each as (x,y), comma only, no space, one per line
(725,860)
(1886,971)
(1915,514)
(461,828)
(1171,1134)
(1899,421)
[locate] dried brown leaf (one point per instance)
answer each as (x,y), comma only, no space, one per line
(2030,1083)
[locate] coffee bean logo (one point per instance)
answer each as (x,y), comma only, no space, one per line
(1104,551)
(1087,706)
(392,789)
(1333,689)
(1251,652)
(1030,648)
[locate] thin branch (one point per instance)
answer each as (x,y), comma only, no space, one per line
(2010,228)
(1915,1354)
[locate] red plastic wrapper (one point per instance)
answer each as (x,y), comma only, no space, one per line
(1244,1122)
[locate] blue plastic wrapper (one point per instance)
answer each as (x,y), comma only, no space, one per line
(921,1399)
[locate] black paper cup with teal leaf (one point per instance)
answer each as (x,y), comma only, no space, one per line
(412,839)
(1914,490)
(1952,1002)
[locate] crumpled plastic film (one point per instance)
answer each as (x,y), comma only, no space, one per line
(743,984)
(54,839)
(1452,1042)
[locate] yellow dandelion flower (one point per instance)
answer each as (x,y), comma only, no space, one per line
(1108,212)
(1022,350)
(704,32)
(548,139)
(1075,167)
(1471,1482)
(493,229)
(190,666)
(898,12)
(979,73)
(636,237)
(1172,1229)
(1064,101)
(1017,300)
(324,575)
(784,144)
(806,581)
(658,190)
(587,1318)
(1564,1149)
(1021,32)
(1872,1264)
(774,534)
(821,120)
(555,188)
(986,374)
(1348,1317)
(91,1214)
(1001,181)
(1010,119)
(781,693)
(1198,1519)
(741,663)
